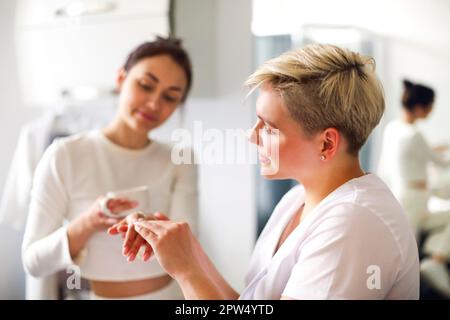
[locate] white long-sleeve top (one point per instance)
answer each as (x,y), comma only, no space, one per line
(72,173)
(405,154)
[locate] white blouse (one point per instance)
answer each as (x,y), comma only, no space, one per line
(73,172)
(404,155)
(355,244)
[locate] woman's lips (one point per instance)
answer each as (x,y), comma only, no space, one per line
(263,159)
(147,116)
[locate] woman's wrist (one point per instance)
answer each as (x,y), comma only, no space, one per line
(196,284)
(79,230)
(189,274)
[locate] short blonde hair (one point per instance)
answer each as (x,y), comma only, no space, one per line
(326,86)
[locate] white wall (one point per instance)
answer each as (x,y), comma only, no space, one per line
(430,67)
(220,41)
(227,199)
(425,21)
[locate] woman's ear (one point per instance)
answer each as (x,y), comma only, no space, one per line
(121,75)
(331,139)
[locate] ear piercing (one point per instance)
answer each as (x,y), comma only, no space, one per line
(322,157)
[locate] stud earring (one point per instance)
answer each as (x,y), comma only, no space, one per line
(322,157)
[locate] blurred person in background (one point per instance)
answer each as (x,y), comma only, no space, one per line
(403,165)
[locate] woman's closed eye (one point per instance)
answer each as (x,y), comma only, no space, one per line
(167,97)
(170,98)
(146,87)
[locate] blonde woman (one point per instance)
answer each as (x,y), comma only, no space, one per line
(340,234)
(67,223)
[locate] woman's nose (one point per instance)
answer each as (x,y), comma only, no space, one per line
(153,102)
(253,135)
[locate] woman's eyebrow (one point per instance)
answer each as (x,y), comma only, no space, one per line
(152,76)
(156,79)
(175,88)
(266,121)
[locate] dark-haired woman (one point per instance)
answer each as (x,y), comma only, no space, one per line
(77,171)
(403,164)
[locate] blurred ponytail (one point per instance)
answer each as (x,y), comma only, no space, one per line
(416,95)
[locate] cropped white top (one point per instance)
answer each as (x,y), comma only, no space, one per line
(73,172)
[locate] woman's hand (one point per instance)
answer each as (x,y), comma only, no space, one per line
(95,220)
(441,148)
(92,220)
(132,240)
(181,255)
(174,245)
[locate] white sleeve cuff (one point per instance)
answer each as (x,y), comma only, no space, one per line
(50,254)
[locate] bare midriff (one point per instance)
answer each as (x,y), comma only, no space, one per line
(420,184)
(109,289)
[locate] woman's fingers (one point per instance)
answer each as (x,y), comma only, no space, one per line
(113,230)
(145,233)
(148,252)
(130,236)
(116,228)
(159,228)
(119,205)
(123,207)
(151,227)
(161,216)
(134,249)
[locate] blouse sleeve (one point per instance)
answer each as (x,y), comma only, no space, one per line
(429,153)
(45,247)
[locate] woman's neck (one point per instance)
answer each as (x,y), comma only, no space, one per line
(408,117)
(330,179)
(119,133)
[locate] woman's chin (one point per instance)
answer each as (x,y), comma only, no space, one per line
(269,171)
(144,127)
